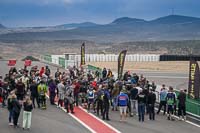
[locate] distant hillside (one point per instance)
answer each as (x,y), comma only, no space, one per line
(77,25)
(175,19)
(127,20)
(170,28)
(2,27)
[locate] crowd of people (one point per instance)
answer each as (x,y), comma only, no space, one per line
(98,92)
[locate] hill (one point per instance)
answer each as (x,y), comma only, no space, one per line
(76,25)
(170,28)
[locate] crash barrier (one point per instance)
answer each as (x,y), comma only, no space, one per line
(192,105)
(114,58)
(47,58)
(104,57)
(179,57)
(94,69)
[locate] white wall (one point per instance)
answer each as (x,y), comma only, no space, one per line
(114,57)
(55,58)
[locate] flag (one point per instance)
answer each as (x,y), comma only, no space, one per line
(121,60)
(12,62)
(194,80)
(83,54)
(27,63)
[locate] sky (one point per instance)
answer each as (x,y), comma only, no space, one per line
(31,13)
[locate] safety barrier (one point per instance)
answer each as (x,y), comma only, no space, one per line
(104,58)
(192,105)
(179,57)
(61,62)
(129,58)
(94,69)
(47,58)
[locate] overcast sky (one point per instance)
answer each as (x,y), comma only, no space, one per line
(21,13)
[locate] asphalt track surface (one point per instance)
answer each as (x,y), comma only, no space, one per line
(54,120)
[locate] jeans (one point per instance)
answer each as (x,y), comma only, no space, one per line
(162,104)
(181,110)
(141,111)
(99,106)
(134,106)
(151,111)
(106,111)
(76,98)
(15,118)
(52,97)
(43,101)
(37,100)
(10,116)
(68,105)
(114,103)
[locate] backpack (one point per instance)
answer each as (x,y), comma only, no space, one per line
(170,98)
(42,90)
(102,96)
(90,94)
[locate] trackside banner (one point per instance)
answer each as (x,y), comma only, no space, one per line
(121,60)
(83,54)
(194,80)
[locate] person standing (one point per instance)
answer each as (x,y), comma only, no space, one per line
(123,99)
(20,89)
(133,100)
(141,105)
(182,104)
(69,99)
(16,110)
(10,107)
(171,100)
(106,103)
(76,91)
(100,94)
(27,114)
(25,80)
(57,74)
(61,93)
(34,93)
(90,96)
(115,93)
(163,102)
(104,73)
(151,99)
(153,85)
(42,71)
(47,71)
(52,91)
(42,90)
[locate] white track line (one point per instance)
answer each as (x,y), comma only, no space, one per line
(168,77)
(78,120)
(111,127)
(189,122)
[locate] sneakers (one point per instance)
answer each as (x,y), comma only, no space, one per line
(10,124)
(184,118)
